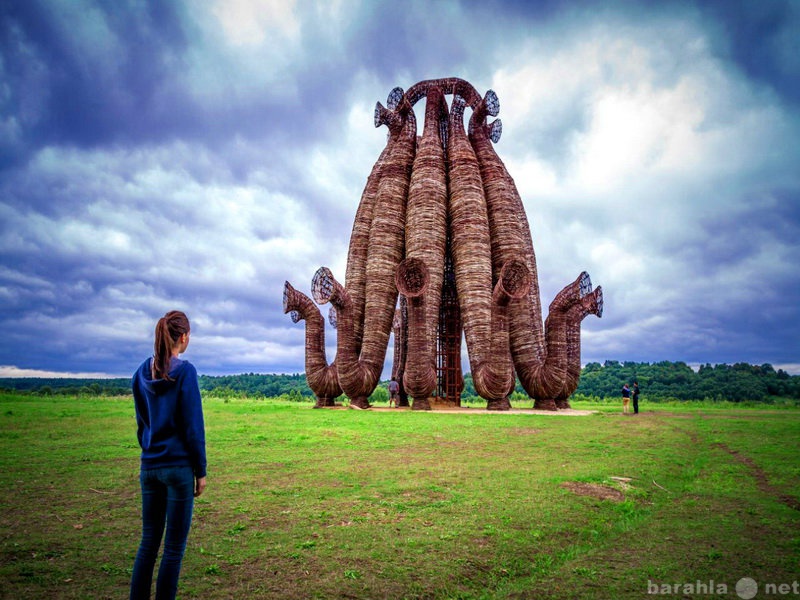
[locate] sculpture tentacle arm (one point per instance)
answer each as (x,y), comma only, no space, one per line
(572,293)
(356,379)
(511,236)
(484,312)
(548,381)
(322,378)
(591,304)
(359,369)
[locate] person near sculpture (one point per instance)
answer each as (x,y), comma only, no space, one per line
(626,398)
(394,393)
(635,396)
(171,434)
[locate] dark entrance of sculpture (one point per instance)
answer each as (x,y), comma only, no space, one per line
(441,227)
(449,379)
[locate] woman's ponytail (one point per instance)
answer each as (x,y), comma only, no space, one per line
(169,330)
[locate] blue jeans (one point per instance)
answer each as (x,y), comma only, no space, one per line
(167,499)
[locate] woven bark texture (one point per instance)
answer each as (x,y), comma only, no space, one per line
(443,194)
(322,378)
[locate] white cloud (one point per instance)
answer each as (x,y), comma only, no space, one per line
(254,22)
(12,371)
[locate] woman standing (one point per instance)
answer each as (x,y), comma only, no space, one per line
(171,433)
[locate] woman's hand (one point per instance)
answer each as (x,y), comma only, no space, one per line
(199,486)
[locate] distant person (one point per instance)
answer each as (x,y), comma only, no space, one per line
(171,433)
(626,398)
(394,393)
(635,396)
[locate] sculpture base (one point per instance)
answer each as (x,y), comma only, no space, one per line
(503,404)
(545,404)
(421,404)
(325,402)
(438,403)
(361,403)
(562,403)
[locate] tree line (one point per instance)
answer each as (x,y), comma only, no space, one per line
(661,381)
(678,381)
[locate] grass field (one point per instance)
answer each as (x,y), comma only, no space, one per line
(306,503)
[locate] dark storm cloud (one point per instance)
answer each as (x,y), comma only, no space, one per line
(90,74)
(762,38)
(95,66)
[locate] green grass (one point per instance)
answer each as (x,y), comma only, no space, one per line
(306,503)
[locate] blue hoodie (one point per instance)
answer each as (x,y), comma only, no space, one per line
(169,416)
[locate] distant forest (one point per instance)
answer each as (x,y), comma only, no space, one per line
(661,381)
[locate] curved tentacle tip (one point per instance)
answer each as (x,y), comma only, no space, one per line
(598,297)
(380,117)
(495,130)
(585,284)
(288,290)
(515,277)
(492,103)
(394,98)
(412,277)
(322,285)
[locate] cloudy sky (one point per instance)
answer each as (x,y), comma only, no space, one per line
(196,154)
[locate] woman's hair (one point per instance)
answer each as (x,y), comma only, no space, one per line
(169,330)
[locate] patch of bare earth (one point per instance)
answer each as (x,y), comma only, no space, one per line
(594,490)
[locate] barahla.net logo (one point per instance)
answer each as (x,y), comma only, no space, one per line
(746,588)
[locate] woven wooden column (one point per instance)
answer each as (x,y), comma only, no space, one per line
(426,236)
(510,234)
(470,241)
(485,327)
(356,273)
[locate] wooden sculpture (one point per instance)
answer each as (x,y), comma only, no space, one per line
(441,225)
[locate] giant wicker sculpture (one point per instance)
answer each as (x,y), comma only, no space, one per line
(441,225)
